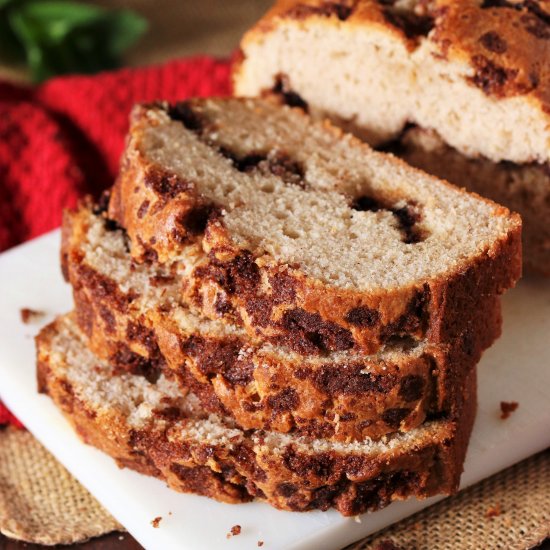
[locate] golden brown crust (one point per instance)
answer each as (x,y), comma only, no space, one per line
(506,43)
(294,479)
(281,303)
(311,317)
(260,389)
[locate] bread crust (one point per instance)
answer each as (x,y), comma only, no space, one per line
(246,468)
(279,302)
(348,398)
(506,44)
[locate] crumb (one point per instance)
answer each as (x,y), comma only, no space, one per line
(30,315)
(121,537)
(507,408)
(235,530)
(155,523)
(493,511)
(260,543)
(169,513)
(357,519)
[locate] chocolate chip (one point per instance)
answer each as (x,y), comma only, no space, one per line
(183,112)
(285,400)
(367,204)
(289,97)
(410,23)
(490,77)
(406,216)
(362,317)
(195,220)
(320,334)
(166,186)
(102,204)
(279,164)
(411,388)
(244,163)
(349,380)
(393,417)
(142,210)
(325,9)
(286,489)
(493,42)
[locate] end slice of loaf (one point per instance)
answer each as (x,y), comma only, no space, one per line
(132,317)
(153,428)
(475,71)
(305,235)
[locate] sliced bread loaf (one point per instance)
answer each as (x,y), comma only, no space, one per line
(155,429)
(302,234)
(131,316)
(476,71)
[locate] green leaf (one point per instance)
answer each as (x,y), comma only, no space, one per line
(124,28)
(11,49)
(61,37)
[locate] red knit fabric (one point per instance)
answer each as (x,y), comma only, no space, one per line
(64,139)
(7,418)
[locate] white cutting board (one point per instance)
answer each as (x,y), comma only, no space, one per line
(517,368)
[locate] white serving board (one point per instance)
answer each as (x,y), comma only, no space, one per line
(517,368)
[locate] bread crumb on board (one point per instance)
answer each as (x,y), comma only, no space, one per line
(507,408)
(235,530)
(260,543)
(493,511)
(29,315)
(155,523)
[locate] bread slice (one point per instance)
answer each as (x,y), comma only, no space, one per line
(155,429)
(302,234)
(132,317)
(524,188)
(476,71)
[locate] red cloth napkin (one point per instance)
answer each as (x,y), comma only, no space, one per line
(64,138)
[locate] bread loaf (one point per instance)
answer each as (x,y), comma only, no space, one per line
(132,317)
(157,430)
(476,71)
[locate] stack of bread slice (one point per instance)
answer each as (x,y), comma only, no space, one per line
(267,308)
(459,88)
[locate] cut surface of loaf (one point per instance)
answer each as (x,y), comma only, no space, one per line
(132,317)
(476,71)
(155,429)
(303,234)
(525,189)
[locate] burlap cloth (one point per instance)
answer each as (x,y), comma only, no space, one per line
(40,502)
